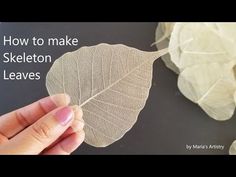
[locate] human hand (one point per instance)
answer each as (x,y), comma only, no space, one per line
(48,126)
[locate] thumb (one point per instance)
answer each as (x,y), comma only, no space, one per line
(42,133)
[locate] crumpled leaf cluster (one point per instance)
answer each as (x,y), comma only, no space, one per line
(206,66)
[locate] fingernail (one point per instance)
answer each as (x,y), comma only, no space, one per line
(60,99)
(64,115)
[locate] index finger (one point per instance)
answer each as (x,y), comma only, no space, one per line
(13,122)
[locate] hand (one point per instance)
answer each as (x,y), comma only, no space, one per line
(48,126)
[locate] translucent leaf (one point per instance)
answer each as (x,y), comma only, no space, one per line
(206,47)
(207,65)
(163,33)
(110,82)
(212,87)
(232,149)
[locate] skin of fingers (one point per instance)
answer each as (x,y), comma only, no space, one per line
(67,145)
(77,125)
(38,136)
(14,122)
(67,133)
(3,139)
